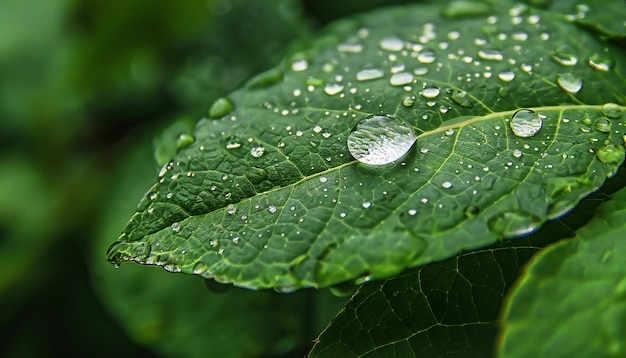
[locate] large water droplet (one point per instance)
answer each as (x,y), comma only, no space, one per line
(426,57)
(299,65)
(526,123)
(566,55)
(378,140)
(184,140)
(513,224)
(369,74)
(506,76)
(221,107)
(569,82)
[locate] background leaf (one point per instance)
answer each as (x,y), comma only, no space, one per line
(269,196)
(570,300)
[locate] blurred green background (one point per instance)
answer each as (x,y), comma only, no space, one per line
(89,89)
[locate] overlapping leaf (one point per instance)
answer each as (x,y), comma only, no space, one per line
(572,299)
(269,196)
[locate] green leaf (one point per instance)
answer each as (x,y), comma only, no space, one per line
(571,301)
(270,196)
(179,316)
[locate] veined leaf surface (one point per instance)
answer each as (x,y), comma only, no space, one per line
(268,194)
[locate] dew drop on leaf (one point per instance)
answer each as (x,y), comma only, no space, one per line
(400,79)
(526,123)
(461,98)
(603,125)
(600,62)
(379,140)
(332,89)
(569,82)
(565,55)
(257,152)
(493,55)
(430,92)
(233,142)
(299,65)
(391,44)
(426,57)
(506,76)
(369,74)
(184,140)
(175,227)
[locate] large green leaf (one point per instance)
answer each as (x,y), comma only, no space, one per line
(572,299)
(268,195)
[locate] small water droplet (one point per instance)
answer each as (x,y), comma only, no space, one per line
(569,82)
(612,110)
(517,153)
(369,74)
(175,227)
(400,79)
(506,76)
(378,140)
(367,204)
(600,62)
(420,71)
(526,123)
(408,101)
(446,185)
(299,65)
(566,55)
(350,48)
(426,57)
(603,125)
(233,142)
(332,89)
(430,92)
(412,212)
(272,209)
(493,55)
(221,107)
(257,151)
(461,98)
(392,44)
(231,209)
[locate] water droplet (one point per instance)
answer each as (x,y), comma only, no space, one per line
(493,55)
(391,44)
(461,98)
(420,71)
(446,185)
(600,62)
(369,74)
(611,154)
(412,212)
(408,101)
(400,79)
(350,48)
(317,129)
(221,107)
(430,92)
(272,209)
(569,82)
(367,204)
(517,153)
(513,224)
(299,65)
(506,76)
(603,125)
(426,57)
(612,110)
(378,140)
(526,123)
(332,89)
(175,227)
(231,209)
(566,55)
(233,142)
(257,151)
(520,36)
